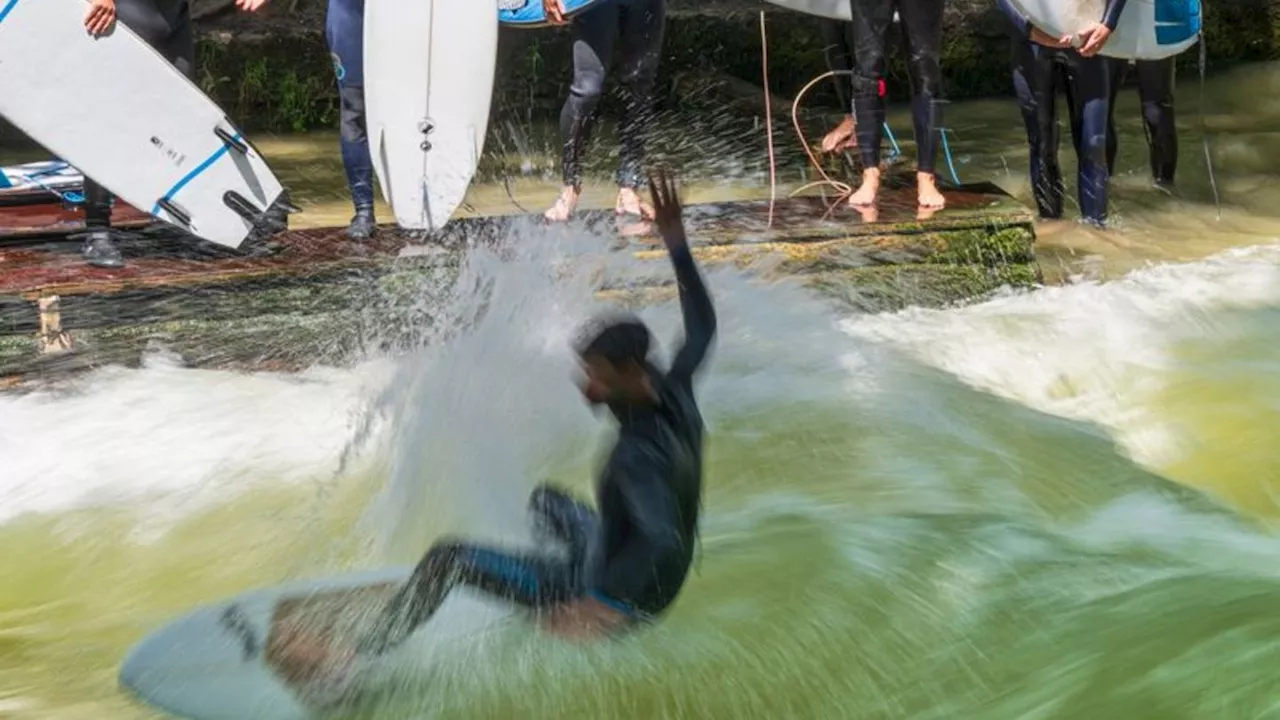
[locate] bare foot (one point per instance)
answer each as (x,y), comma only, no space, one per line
(869,213)
(629,203)
(929,195)
(868,191)
(565,205)
(841,138)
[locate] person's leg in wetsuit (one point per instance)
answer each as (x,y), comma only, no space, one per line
(534,581)
(637,30)
(1035,80)
(165,25)
(1089,80)
(922,27)
(1155,91)
(837,40)
(344,32)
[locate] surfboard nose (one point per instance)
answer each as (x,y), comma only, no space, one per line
(203,663)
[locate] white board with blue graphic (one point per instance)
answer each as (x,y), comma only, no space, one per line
(1148,29)
(530,13)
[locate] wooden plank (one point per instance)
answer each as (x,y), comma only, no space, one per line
(182,262)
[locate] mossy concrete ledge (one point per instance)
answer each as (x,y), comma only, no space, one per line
(311,296)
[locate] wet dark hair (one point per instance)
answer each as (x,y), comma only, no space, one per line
(618,340)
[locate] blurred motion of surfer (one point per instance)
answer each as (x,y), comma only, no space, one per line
(606,570)
(922,28)
(634,30)
(1041,65)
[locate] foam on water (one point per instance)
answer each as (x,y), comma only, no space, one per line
(169,437)
(1090,351)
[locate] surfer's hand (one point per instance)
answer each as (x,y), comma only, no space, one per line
(582,619)
(555,12)
(250,5)
(101,16)
(1041,37)
(1094,37)
(666,210)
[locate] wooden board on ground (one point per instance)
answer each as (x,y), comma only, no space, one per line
(314,296)
(42,215)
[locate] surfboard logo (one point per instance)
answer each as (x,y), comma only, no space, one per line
(338,68)
(169,152)
(512,5)
(234,621)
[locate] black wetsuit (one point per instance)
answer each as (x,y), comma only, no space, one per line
(1155,90)
(837,39)
(922,28)
(636,27)
(166,26)
(1038,73)
(344,32)
(635,554)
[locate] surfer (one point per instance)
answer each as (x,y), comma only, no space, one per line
(1042,64)
(626,564)
(922,27)
(838,48)
(635,28)
(1155,91)
(165,25)
(344,32)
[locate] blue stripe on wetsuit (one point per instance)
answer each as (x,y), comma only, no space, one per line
(195,173)
(1177,21)
(8,8)
(507,567)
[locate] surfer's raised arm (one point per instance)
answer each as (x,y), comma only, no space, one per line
(695,302)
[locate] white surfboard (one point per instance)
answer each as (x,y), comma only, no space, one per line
(121,114)
(230,660)
(216,662)
(48,175)
(428,67)
(1147,30)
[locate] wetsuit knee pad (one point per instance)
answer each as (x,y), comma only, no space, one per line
(588,82)
(352,121)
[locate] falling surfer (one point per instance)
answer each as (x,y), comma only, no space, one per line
(628,558)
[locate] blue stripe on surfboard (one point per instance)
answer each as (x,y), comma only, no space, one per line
(531,12)
(1177,21)
(8,8)
(195,173)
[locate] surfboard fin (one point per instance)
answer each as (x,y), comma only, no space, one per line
(182,217)
(231,140)
(241,206)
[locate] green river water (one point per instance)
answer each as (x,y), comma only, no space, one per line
(1057,503)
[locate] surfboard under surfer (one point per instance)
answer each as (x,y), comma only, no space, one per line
(627,560)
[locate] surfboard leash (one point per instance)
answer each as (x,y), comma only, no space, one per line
(1204,131)
(768,120)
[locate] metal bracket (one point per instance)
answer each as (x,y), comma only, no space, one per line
(53,339)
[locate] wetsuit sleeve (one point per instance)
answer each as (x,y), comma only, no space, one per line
(1020,22)
(652,542)
(1112,15)
(699,317)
